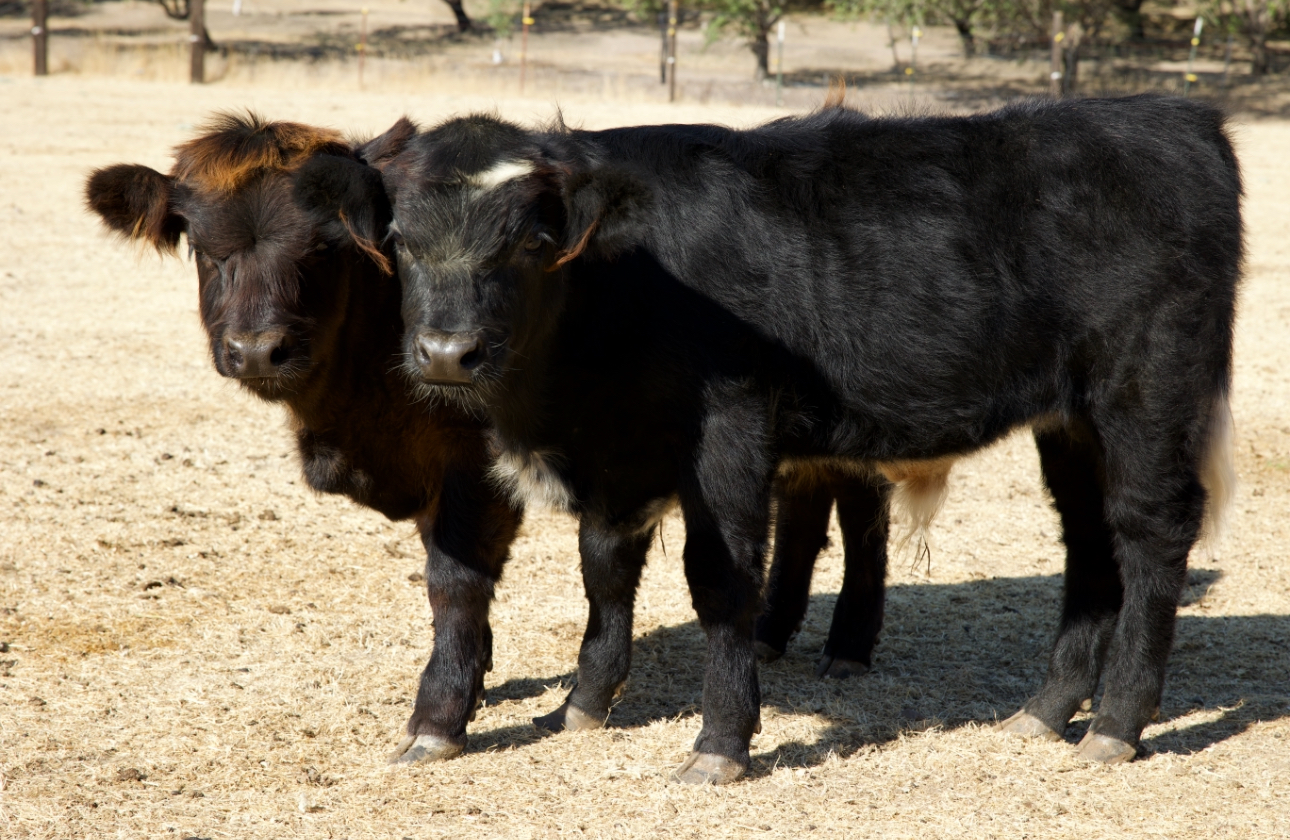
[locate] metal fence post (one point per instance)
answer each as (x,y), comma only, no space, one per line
(1189,77)
(671,50)
(526,20)
(1055,73)
(40,35)
(779,65)
(362,48)
(197,40)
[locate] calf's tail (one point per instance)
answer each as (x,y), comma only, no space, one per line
(1218,473)
(920,490)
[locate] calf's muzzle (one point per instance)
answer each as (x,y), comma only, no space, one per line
(447,358)
(259,355)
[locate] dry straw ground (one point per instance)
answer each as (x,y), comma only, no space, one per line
(196,646)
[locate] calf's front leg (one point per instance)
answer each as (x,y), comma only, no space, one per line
(467,543)
(611,571)
(726,503)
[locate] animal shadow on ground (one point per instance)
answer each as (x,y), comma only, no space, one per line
(949,655)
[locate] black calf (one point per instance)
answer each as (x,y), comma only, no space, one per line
(676,311)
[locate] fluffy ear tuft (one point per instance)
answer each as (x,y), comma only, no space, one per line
(381,150)
(339,191)
(134,201)
(603,210)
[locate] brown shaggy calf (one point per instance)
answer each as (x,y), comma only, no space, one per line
(301,307)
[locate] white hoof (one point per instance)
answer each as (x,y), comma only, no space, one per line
(417,749)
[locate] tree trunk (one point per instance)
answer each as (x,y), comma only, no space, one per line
(178,10)
(1130,12)
(760,47)
(463,22)
(964,26)
(1257,20)
(1259,64)
(1070,79)
(175,9)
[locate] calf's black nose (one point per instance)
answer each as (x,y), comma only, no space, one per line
(256,355)
(447,358)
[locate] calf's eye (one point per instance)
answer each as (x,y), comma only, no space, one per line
(535,242)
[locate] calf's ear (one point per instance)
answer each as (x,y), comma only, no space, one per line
(604,212)
(345,197)
(134,201)
(381,150)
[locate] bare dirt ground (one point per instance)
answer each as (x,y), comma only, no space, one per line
(194,645)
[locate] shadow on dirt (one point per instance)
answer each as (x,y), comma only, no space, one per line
(950,655)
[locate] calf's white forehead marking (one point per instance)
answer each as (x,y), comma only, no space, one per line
(499,173)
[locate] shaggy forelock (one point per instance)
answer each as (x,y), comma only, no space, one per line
(262,238)
(235,149)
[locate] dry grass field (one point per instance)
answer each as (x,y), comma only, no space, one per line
(192,645)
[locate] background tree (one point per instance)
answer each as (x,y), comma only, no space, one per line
(1130,13)
(896,14)
(178,10)
(750,19)
(1255,20)
(963,14)
(459,11)
(502,15)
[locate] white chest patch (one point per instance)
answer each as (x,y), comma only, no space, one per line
(532,480)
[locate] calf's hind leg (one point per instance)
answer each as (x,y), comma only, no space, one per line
(801,532)
(467,544)
(857,616)
(1071,464)
(1155,504)
(611,571)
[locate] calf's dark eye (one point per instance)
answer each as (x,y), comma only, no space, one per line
(535,242)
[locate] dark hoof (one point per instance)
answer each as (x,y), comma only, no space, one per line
(568,718)
(766,653)
(1026,725)
(1104,749)
(830,668)
(708,769)
(418,749)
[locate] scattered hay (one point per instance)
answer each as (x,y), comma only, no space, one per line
(176,663)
